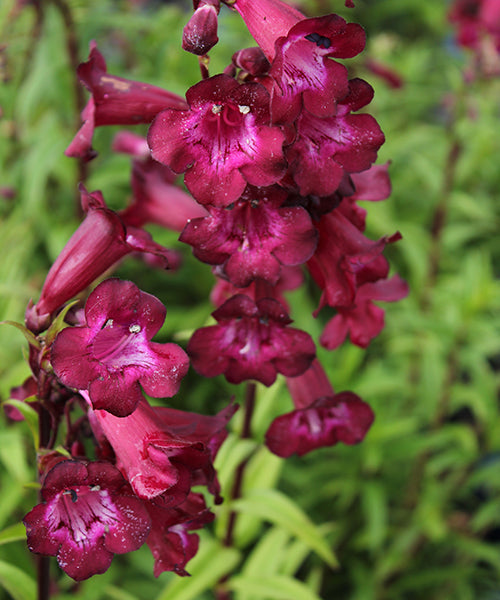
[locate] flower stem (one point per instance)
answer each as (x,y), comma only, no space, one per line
(43,562)
(246,433)
(79,94)
(43,571)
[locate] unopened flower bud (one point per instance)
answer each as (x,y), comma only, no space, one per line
(200,33)
(251,60)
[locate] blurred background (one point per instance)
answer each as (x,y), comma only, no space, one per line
(414,511)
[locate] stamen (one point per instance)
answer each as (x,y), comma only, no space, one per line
(216,109)
(244,110)
(134,328)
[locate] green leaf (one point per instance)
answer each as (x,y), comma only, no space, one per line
(58,324)
(233,452)
(14,533)
(268,555)
(273,506)
(212,562)
(30,415)
(114,593)
(19,585)
(275,587)
(32,341)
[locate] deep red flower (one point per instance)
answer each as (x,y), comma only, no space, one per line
(342,418)
(254,238)
(223,141)
(346,259)
(252,340)
(327,148)
(304,70)
(112,356)
(101,240)
(321,417)
(115,101)
(169,540)
(88,514)
(364,320)
(159,462)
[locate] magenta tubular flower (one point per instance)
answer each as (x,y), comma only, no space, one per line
(155,197)
(112,356)
(304,71)
(209,430)
(300,51)
(222,142)
(363,321)
(88,514)
(170,542)
(159,464)
(342,418)
(326,149)
(321,417)
(115,101)
(345,259)
(195,427)
(254,238)
(252,340)
(100,241)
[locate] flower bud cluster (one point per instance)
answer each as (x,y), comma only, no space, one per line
(275,156)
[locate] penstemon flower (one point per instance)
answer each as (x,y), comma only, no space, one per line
(222,142)
(112,356)
(321,417)
(88,514)
(252,340)
(253,238)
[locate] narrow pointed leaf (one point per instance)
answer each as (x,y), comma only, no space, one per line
(14,533)
(30,415)
(32,341)
(19,585)
(273,506)
(273,587)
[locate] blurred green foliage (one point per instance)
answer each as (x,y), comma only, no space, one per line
(414,511)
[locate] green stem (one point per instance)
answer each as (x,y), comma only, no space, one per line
(246,433)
